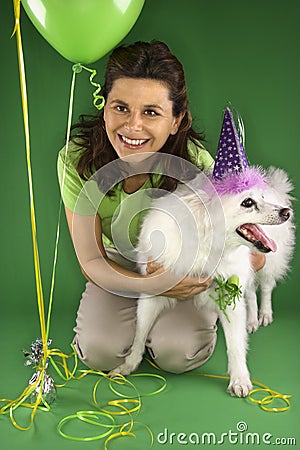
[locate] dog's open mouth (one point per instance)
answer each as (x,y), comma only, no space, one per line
(255,235)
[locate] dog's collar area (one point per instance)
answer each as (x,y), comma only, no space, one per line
(254,234)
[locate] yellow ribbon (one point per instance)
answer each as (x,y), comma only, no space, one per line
(266,400)
(134,403)
(61,366)
(38,278)
(21,400)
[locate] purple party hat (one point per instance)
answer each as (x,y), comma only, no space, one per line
(231,154)
(232,173)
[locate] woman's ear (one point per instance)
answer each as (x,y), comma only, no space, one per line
(176,123)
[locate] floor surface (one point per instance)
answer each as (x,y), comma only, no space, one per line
(190,405)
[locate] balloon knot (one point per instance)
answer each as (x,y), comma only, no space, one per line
(77,68)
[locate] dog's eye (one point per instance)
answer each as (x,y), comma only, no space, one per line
(248,202)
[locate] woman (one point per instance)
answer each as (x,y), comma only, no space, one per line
(145,114)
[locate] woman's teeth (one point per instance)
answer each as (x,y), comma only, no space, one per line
(133,141)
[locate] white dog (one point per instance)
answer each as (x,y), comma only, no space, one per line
(194,231)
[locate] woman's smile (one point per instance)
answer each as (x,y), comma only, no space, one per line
(135,144)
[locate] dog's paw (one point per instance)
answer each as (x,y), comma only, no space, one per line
(130,364)
(265,318)
(123,369)
(240,387)
(252,326)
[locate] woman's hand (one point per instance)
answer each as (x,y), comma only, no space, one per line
(258,260)
(185,289)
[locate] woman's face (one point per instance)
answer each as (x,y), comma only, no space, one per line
(138,116)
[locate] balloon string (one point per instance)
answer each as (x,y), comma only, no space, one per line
(69,123)
(38,279)
(38,384)
(97,98)
(77,68)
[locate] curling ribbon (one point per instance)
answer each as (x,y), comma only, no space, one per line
(12,405)
(121,430)
(77,68)
(267,400)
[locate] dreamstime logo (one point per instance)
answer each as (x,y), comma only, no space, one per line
(241,426)
(240,436)
(170,234)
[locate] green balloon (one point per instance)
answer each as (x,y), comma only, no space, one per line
(83,30)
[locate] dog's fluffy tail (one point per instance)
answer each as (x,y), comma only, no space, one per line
(278,179)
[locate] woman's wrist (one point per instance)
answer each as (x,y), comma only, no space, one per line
(258,260)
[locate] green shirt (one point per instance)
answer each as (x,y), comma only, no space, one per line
(120,212)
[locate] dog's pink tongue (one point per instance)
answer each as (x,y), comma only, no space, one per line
(261,236)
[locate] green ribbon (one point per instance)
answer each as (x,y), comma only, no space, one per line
(92,417)
(77,68)
(228,292)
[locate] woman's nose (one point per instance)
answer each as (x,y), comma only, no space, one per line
(134,122)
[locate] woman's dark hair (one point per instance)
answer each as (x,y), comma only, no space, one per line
(140,60)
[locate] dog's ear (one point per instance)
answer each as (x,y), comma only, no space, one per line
(279,180)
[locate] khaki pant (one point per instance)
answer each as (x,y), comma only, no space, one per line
(181,339)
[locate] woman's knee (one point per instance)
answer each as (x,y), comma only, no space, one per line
(184,355)
(105,328)
(101,354)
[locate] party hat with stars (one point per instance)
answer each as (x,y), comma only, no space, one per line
(232,173)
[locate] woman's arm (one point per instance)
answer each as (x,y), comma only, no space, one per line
(86,233)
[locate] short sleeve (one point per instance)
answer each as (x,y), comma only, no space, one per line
(78,195)
(200,157)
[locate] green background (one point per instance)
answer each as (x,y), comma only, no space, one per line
(239,51)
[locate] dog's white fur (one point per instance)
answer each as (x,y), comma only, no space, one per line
(194,232)
(277,264)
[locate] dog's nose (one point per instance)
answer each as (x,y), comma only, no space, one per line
(285,213)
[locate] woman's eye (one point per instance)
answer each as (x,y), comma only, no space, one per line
(121,108)
(151,113)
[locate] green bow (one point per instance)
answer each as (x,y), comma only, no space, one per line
(228,292)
